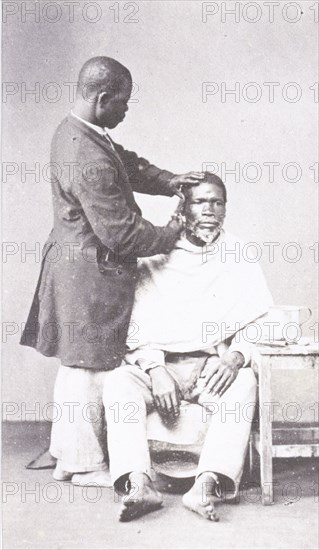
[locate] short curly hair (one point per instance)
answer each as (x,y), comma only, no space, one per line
(103,73)
(209,177)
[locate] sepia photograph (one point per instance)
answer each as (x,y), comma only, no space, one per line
(160,249)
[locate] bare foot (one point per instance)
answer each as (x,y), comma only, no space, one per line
(100,478)
(202,496)
(61,475)
(141,499)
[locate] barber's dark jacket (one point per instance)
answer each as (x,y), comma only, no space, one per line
(83,301)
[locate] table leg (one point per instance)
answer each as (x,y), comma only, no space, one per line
(265,432)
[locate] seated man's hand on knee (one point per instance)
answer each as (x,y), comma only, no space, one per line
(166,393)
(219,376)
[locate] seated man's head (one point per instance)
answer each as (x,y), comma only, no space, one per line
(103,90)
(205,209)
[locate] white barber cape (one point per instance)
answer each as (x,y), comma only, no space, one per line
(195,298)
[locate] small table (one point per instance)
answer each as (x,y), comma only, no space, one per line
(303,440)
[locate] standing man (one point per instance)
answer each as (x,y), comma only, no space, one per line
(83,301)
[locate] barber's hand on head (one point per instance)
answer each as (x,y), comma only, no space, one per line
(219,376)
(191,178)
(166,393)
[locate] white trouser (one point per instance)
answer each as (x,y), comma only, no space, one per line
(128,399)
(78,435)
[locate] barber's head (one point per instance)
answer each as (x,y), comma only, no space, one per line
(205,209)
(103,90)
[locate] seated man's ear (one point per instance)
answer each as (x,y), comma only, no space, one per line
(183,207)
(180,209)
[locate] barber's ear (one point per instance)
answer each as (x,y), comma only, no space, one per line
(103,98)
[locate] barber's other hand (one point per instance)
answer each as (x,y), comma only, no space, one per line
(166,392)
(191,178)
(176,223)
(220,376)
(173,231)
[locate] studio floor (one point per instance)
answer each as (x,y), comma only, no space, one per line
(39,513)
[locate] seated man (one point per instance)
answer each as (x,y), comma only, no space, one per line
(190,304)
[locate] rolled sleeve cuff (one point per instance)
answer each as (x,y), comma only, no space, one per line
(146,359)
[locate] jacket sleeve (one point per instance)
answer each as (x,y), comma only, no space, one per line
(145,177)
(119,228)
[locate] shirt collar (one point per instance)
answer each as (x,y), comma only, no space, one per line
(98,129)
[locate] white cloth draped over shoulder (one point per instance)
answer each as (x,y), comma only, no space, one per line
(195,298)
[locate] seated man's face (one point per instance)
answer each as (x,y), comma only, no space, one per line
(205,211)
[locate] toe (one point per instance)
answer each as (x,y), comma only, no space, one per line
(130,510)
(212,514)
(214,517)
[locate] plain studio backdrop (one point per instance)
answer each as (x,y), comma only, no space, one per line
(180,118)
